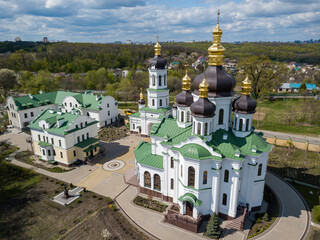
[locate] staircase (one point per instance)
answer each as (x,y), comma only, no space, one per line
(238,222)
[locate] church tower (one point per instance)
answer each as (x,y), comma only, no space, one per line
(243,107)
(158,93)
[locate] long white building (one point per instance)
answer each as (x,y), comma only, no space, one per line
(22,110)
(206,157)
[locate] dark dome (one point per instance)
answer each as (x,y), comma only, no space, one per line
(220,82)
(158,62)
(244,104)
(203,108)
(184,99)
(174,106)
(141,101)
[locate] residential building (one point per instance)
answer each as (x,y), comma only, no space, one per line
(205,157)
(22,110)
(64,137)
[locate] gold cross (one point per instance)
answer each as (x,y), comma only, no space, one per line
(218,15)
(157,38)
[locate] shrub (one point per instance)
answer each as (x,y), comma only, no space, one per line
(94,196)
(79,201)
(99,198)
(213,227)
(265,217)
(108,200)
(113,207)
(316,213)
(71,185)
(56,191)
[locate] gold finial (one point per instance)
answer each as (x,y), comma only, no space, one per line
(141,94)
(203,87)
(157,48)
(246,86)
(216,50)
(186,81)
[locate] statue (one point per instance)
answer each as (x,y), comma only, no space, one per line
(66,192)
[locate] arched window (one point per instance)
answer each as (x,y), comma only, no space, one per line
(152,102)
(160,102)
(224,199)
(188,116)
(226,176)
(164,80)
(159,80)
(247,125)
(182,117)
(206,129)
(156,182)
(260,169)
(240,124)
(191,176)
(171,162)
(194,126)
(205,177)
(235,123)
(221,112)
(181,168)
(147,179)
(167,101)
(199,128)
(153,80)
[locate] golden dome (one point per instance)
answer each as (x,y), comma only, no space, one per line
(203,88)
(141,94)
(246,86)
(216,50)
(186,82)
(157,48)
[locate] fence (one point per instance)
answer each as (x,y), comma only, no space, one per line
(289,143)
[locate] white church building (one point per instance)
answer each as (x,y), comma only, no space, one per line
(205,157)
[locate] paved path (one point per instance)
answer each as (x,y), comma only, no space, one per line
(293,137)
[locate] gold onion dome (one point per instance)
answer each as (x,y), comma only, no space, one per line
(185,98)
(157,48)
(203,108)
(216,50)
(141,100)
(157,62)
(245,104)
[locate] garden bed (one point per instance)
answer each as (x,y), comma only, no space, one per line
(264,220)
(110,134)
(149,203)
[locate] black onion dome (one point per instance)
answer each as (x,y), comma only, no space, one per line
(203,108)
(174,106)
(158,62)
(141,101)
(184,99)
(244,104)
(220,82)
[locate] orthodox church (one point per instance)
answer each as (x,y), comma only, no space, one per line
(204,154)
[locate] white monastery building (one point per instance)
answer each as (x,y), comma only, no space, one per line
(204,155)
(23,110)
(64,137)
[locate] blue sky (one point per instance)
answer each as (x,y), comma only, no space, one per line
(142,20)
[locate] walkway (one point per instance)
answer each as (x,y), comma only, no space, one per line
(293,137)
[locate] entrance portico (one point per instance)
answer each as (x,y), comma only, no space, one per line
(189,205)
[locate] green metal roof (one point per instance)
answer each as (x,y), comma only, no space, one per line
(91,148)
(85,100)
(44,144)
(144,156)
(49,117)
(194,151)
(137,115)
(158,90)
(87,142)
(159,110)
(191,198)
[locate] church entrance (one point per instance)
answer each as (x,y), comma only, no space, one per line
(189,209)
(149,128)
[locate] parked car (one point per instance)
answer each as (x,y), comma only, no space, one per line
(128,112)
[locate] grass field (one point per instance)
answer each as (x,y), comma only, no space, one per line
(299,116)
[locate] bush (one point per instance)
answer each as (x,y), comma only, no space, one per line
(316,213)
(113,207)
(265,217)
(99,198)
(108,200)
(71,185)
(79,201)
(94,196)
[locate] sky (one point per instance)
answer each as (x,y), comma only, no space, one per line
(102,21)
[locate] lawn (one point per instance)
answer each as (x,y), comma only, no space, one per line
(298,116)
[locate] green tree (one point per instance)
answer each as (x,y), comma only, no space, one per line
(213,227)
(8,80)
(43,81)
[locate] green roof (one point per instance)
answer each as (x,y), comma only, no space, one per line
(191,198)
(44,144)
(159,110)
(91,148)
(144,156)
(194,151)
(169,127)
(32,101)
(137,114)
(87,142)
(158,90)
(51,117)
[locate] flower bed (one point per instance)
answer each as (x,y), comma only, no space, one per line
(151,204)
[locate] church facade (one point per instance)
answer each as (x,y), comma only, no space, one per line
(204,154)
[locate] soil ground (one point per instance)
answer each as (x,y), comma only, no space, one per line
(314,234)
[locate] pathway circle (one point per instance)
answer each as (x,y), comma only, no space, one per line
(113,165)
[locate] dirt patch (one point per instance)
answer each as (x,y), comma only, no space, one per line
(259,116)
(110,134)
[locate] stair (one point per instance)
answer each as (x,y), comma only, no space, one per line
(237,223)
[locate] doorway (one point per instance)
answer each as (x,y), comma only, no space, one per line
(189,209)
(91,153)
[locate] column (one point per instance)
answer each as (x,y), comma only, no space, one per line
(235,195)
(215,190)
